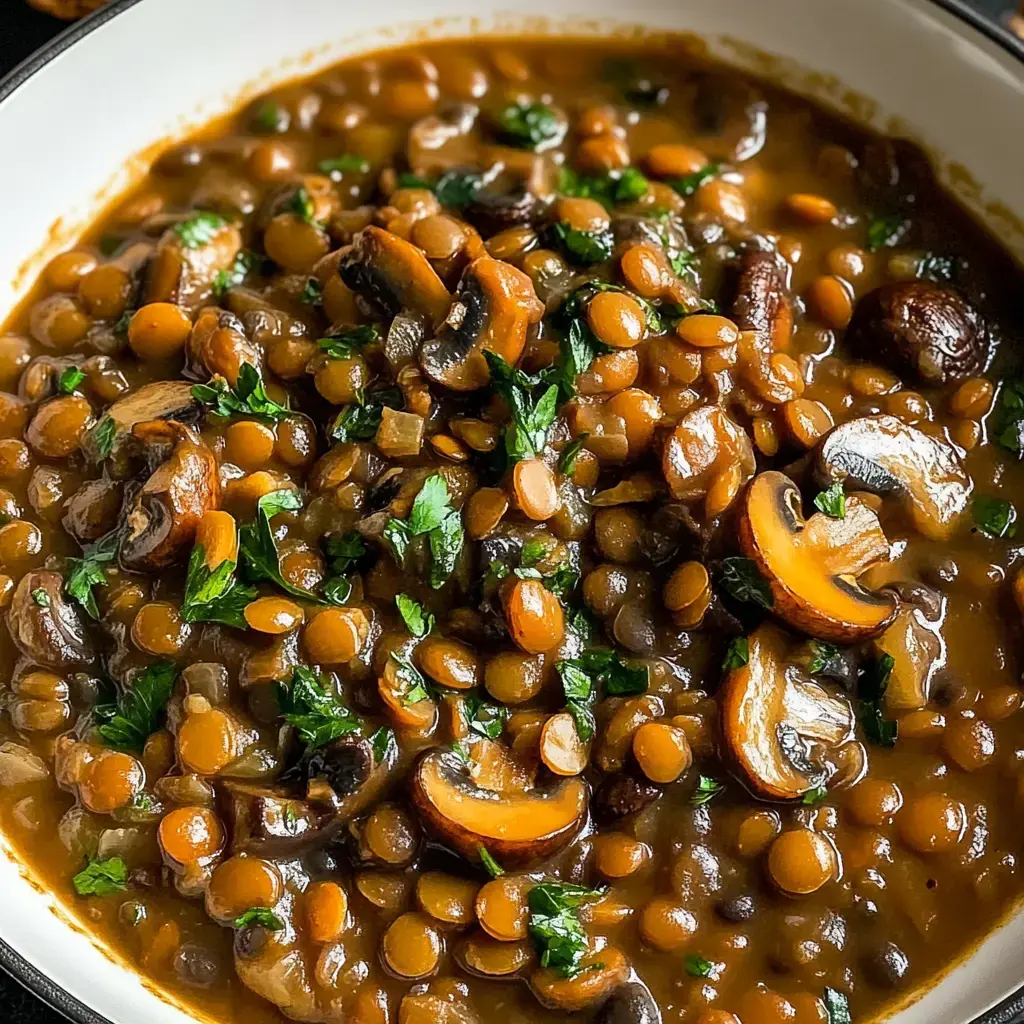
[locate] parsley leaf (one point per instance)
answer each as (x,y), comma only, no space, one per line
(994,516)
(485,719)
(214,595)
(88,571)
(236,274)
(619,187)
(431,514)
(41,597)
(259,916)
(707,789)
(583,247)
(347,163)
(359,420)
(247,398)
(815,796)
(527,436)
(697,966)
(593,669)
(457,189)
(837,1006)
(139,710)
(271,117)
(348,342)
(101,877)
(569,454)
(832,501)
(302,205)
(103,435)
(344,550)
(312,293)
(689,183)
(491,866)
(416,686)
(823,656)
(555,927)
(69,380)
(416,620)
(872,683)
(318,716)
(529,125)
(199,229)
(384,744)
(743,581)
(1009,416)
(884,232)
(737,654)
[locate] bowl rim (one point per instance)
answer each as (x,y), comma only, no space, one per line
(1009,1011)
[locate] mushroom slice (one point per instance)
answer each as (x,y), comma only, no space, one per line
(494,306)
(267,821)
(778,726)
(393,275)
(920,328)
(161,524)
(442,141)
(761,304)
(886,456)
(813,565)
(93,509)
(517,828)
(183,272)
(50,633)
(915,644)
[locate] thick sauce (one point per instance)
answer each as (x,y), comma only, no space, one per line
(374,680)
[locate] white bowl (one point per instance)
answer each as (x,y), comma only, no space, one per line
(135,73)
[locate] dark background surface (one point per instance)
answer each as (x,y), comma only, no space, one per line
(23,30)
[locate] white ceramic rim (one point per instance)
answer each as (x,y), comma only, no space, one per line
(1009,1011)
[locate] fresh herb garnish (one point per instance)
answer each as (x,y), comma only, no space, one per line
(350,341)
(461,751)
(384,744)
(995,516)
(312,293)
(302,205)
(872,683)
(359,420)
(491,866)
(529,125)
(139,711)
(87,572)
(579,688)
(344,550)
(569,454)
(936,267)
(707,789)
(236,274)
(416,687)
(69,380)
(884,232)
(416,620)
(743,581)
(214,595)
(597,668)
(485,719)
(815,796)
(697,966)
(347,163)
(689,183)
(621,187)
(247,398)
(832,501)
(101,877)
(837,1006)
(682,262)
(259,916)
(271,117)
(103,435)
(555,927)
(527,435)
(318,716)
(737,654)
(1009,416)
(432,514)
(199,229)
(408,180)
(457,189)
(824,656)
(583,247)
(41,597)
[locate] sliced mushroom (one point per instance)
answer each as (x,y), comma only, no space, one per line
(345,765)
(47,628)
(516,828)
(621,796)
(93,509)
(185,274)
(162,521)
(494,306)
(218,346)
(925,330)
(631,1003)
(761,303)
(915,644)
(392,274)
(813,565)
(442,141)
(886,456)
(268,821)
(778,726)
(493,212)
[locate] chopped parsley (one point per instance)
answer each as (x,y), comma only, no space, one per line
(832,501)
(583,247)
(529,125)
(214,595)
(347,163)
(302,205)
(707,789)
(815,796)
(697,966)
(457,188)
(619,187)
(872,683)
(555,926)
(271,117)
(569,454)
(1008,419)
(41,597)
(259,916)
(350,341)
(383,744)
(312,293)
(236,273)
(247,398)
(359,420)
(689,183)
(597,668)
(416,620)
(743,581)
(415,686)
(101,877)
(200,229)
(88,571)
(737,654)
(344,550)
(491,866)
(69,381)
(485,719)
(432,515)
(824,657)
(885,232)
(527,435)
(995,516)
(103,435)
(318,716)
(139,710)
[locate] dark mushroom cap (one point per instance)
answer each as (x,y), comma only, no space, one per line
(50,633)
(761,303)
(919,329)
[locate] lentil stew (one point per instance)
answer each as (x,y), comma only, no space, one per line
(520,527)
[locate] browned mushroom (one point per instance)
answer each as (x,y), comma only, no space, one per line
(493,308)
(268,821)
(91,512)
(162,521)
(46,627)
(778,725)
(188,258)
(886,456)
(915,644)
(442,141)
(813,565)
(731,116)
(515,827)
(218,346)
(927,331)
(392,274)
(622,795)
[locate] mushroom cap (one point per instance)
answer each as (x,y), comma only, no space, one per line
(812,565)
(775,724)
(52,635)
(516,827)
(920,328)
(886,456)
